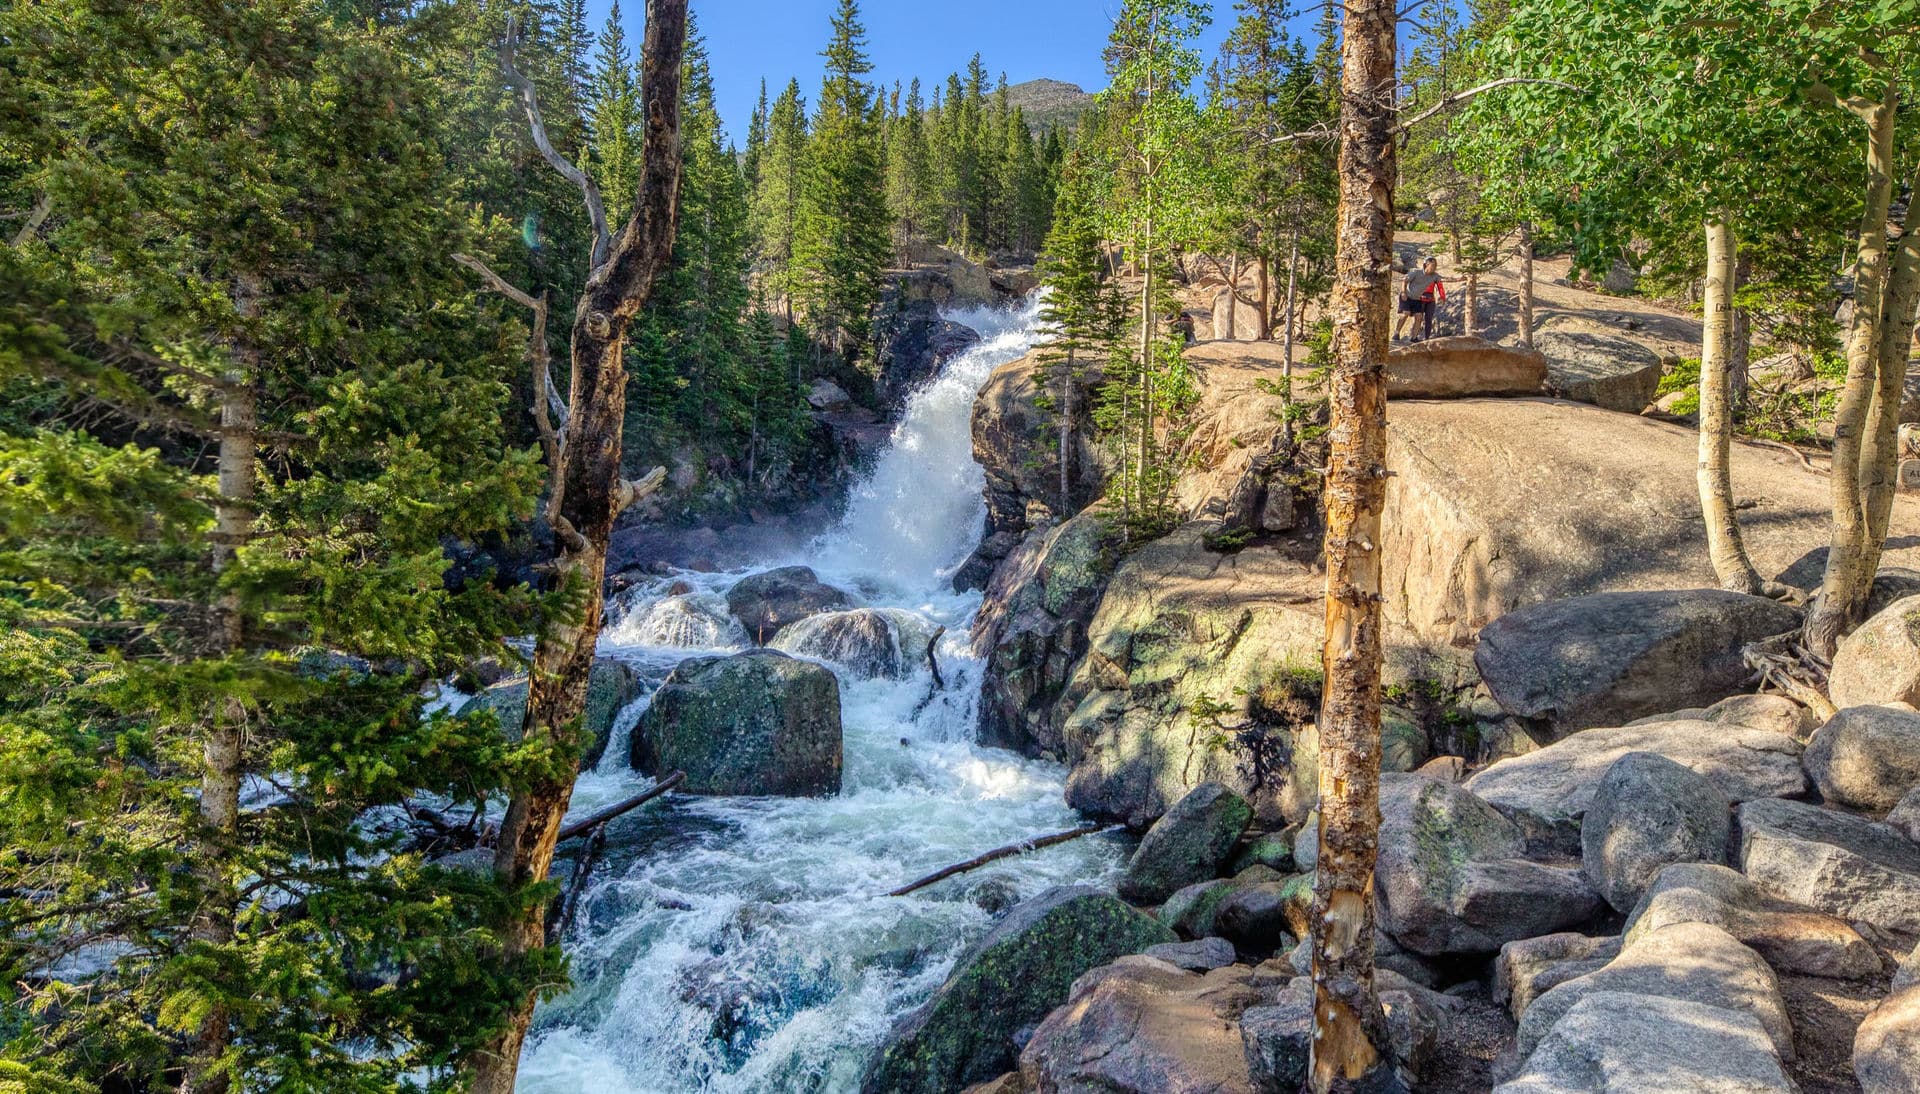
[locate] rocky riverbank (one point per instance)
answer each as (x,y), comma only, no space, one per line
(1606,864)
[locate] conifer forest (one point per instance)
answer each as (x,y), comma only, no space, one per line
(1162,547)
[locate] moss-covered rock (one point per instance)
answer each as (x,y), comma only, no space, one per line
(612,686)
(1273,850)
(1007,982)
(754,723)
(1190,843)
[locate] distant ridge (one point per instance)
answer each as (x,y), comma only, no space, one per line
(1050,102)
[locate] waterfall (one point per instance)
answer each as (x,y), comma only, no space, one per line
(744,944)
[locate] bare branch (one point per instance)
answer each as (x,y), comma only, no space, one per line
(496,282)
(596,210)
(630,490)
(35,219)
(1447,102)
(545,396)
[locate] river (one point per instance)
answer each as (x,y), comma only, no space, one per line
(746,944)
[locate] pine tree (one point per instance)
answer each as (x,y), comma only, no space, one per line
(776,197)
(840,241)
(614,120)
(268,398)
(909,174)
(756,141)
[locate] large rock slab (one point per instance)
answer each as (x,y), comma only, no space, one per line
(611,686)
(1792,938)
(1607,659)
(767,601)
(1886,1051)
(1691,961)
(1189,844)
(1006,982)
(754,723)
(1647,813)
(917,341)
(1188,678)
(1880,662)
(1622,1043)
(1867,757)
(1838,863)
(1462,366)
(1143,1026)
(1451,879)
(1495,504)
(1550,790)
(1589,364)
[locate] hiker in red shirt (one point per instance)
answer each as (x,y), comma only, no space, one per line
(1421,294)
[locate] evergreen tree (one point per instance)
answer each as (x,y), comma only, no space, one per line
(756,140)
(266,397)
(615,119)
(776,197)
(840,239)
(909,172)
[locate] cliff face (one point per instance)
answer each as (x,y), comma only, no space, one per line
(1168,665)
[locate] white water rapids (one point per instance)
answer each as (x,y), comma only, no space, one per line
(745,944)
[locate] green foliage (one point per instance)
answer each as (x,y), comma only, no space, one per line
(251,203)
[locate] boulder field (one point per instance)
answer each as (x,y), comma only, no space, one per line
(1605,864)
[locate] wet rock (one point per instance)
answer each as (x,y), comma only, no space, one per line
(611,686)
(1886,1051)
(1792,938)
(1649,812)
(1880,662)
(1450,877)
(1463,366)
(1867,757)
(766,602)
(1531,967)
(1188,844)
(1609,658)
(1199,668)
(1548,791)
(994,895)
(685,620)
(1013,977)
(759,722)
(917,341)
(1691,961)
(1199,955)
(1620,1043)
(867,642)
(1591,364)
(1033,623)
(1141,1026)
(1841,864)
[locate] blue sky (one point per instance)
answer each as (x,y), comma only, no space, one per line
(778,39)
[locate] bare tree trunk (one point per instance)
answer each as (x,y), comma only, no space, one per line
(1263,323)
(1286,355)
(223,748)
(1728,553)
(1066,437)
(1350,1048)
(1233,298)
(1471,309)
(1526,285)
(1880,451)
(1740,344)
(1842,600)
(592,495)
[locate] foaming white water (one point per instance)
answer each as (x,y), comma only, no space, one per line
(691,621)
(746,944)
(913,520)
